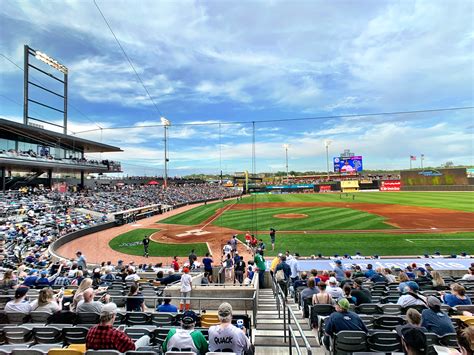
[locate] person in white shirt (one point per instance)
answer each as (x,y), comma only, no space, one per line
(334,290)
(411,296)
(88,305)
(132,276)
(226,336)
(227,249)
(186,287)
(470,275)
(46,302)
(19,303)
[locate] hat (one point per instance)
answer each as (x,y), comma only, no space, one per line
(332,280)
(32,271)
(109,308)
(433,301)
(359,281)
(21,291)
(343,303)
(412,336)
(224,310)
(413,285)
(280,255)
(185,270)
(44,273)
(189,317)
(338,262)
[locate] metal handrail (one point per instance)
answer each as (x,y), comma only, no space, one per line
(291,314)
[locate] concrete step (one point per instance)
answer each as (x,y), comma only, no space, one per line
(279,342)
(272,350)
(278,333)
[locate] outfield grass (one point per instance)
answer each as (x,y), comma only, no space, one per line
(196,215)
(370,244)
(155,248)
(462,201)
(319,218)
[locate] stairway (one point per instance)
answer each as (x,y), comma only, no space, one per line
(268,336)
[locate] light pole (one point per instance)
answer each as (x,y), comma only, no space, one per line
(286,146)
(327,143)
(166,123)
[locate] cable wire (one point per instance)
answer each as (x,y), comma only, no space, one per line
(128,59)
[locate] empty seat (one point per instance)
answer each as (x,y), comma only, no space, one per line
(137,333)
(208,320)
(16,317)
(120,318)
(180,353)
(368,308)
(28,352)
(388,322)
(160,335)
(319,310)
(385,342)
(103,352)
(368,320)
(47,335)
(449,340)
(39,317)
(350,341)
(18,335)
(74,335)
(391,309)
(59,351)
(163,319)
(431,340)
(137,318)
(87,318)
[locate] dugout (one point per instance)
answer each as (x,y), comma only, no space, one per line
(290,189)
(350,186)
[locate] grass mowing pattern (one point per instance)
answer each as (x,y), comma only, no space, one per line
(196,215)
(155,248)
(370,244)
(319,218)
(462,201)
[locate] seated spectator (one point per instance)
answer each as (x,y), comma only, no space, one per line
(159,276)
(302,281)
(186,338)
(19,303)
(88,304)
(78,277)
(437,281)
(107,278)
(457,297)
(60,279)
(470,275)
(414,320)
(79,295)
(360,294)
(370,271)
(411,296)
(43,280)
(435,320)
(358,272)
(409,271)
(403,278)
(136,303)
(226,336)
(342,319)
(104,337)
(388,275)
(132,275)
(8,282)
(30,280)
(347,294)
(314,274)
(324,276)
(308,291)
(466,340)
(378,276)
(334,290)
(422,277)
(171,278)
(322,297)
(413,340)
(46,302)
(167,306)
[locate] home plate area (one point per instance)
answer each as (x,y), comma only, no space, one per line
(192,232)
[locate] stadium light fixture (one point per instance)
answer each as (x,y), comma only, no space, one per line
(166,123)
(286,146)
(327,143)
(50,61)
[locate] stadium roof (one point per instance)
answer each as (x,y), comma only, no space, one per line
(36,133)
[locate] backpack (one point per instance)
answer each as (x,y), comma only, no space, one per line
(280,275)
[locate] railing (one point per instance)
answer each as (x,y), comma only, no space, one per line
(289,318)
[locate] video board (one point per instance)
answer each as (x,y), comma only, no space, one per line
(348,166)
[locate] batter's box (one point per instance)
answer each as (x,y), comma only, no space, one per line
(193,232)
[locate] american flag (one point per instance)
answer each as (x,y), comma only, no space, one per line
(412,157)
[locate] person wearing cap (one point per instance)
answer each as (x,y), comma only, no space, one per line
(422,277)
(413,339)
(435,320)
(334,290)
(43,280)
(378,276)
(342,319)
(186,338)
(186,287)
(226,336)
(30,280)
(370,271)
(411,296)
(361,294)
(104,337)
(339,270)
(19,303)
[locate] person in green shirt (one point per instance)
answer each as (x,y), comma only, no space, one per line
(186,338)
(260,263)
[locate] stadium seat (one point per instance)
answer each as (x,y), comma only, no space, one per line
(39,317)
(47,335)
(136,333)
(7,349)
(120,318)
(419,308)
(388,322)
(160,335)
(208,320)
(28,351)
(449,340)
(368,308)
(391,309)
(16,317)
(137,318)
(180,353)
(163,319)
(103,352)
(18,335)
(59,351)
(87,318)
(468,308)
(319,310)
(431,340)
(140,352)
(349,341)
(74,335)
(368,320)
(385,342)
(218,353)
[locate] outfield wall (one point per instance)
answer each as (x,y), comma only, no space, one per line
(439,188)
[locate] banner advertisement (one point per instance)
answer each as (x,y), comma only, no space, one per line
(391,185)
(325,188)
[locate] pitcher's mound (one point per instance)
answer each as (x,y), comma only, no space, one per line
(290,215)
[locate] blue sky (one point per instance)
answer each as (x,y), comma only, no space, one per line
(226,61)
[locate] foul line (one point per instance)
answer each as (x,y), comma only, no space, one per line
(217,215)
(414,240)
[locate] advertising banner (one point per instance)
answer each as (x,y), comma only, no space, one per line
(325,188)
(391,185)
(348,166)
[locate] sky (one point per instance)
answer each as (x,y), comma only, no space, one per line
(208,63)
